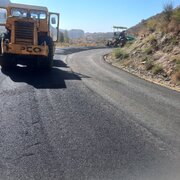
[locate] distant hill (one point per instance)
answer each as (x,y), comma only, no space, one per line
(74,33)
(80,34)
(99,35)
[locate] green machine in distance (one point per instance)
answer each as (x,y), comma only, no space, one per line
(119,37)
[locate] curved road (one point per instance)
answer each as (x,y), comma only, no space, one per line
(86,120)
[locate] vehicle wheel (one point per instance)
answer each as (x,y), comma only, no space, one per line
(7,61)
(108,44)
(115,45)
(47,62)
(122,42)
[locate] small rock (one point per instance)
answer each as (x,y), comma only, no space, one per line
(167,79)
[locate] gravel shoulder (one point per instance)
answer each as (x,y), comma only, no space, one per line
(159,80)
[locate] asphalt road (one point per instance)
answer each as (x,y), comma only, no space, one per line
(86,120)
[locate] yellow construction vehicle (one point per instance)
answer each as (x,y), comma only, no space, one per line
(30,32)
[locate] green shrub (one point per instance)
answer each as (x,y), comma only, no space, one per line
(174,24)
(148,50)
(168,11)
(151,24)
(128,44)
(149,65)
(119,53)
(145,59)
(178,61)
(157,69)
(176,15)
(150,38)
(177,69)
(175,41)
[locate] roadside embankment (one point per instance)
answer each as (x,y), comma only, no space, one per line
(154,57)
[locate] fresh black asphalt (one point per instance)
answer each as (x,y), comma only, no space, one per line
(86,120)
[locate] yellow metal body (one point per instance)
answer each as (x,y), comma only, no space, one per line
(20,49)
(23,46)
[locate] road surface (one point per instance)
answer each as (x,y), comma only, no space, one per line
(86,120)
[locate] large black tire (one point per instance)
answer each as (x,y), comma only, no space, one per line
(108,43)
(47,62)
(7,61)
(122,42)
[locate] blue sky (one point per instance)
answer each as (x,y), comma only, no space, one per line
(101,15)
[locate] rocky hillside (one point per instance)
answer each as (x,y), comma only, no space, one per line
(155,54)
(168,20)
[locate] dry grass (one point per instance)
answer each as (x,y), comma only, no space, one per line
(126,63)
(148,50)
(168,21)
(176,77)
(157,69)
(149,65)
(118,53)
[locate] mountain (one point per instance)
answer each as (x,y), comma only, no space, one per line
(99,35)
(75,33)
(80,34)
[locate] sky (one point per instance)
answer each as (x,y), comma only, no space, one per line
(101,15)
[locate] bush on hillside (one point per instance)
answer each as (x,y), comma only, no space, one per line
(157,69)
(176,15)
(167,21)
(149,65)
(119,53)
(152,25)
(174,25)
(168,11)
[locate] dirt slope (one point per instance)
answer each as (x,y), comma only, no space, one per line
(155,54)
